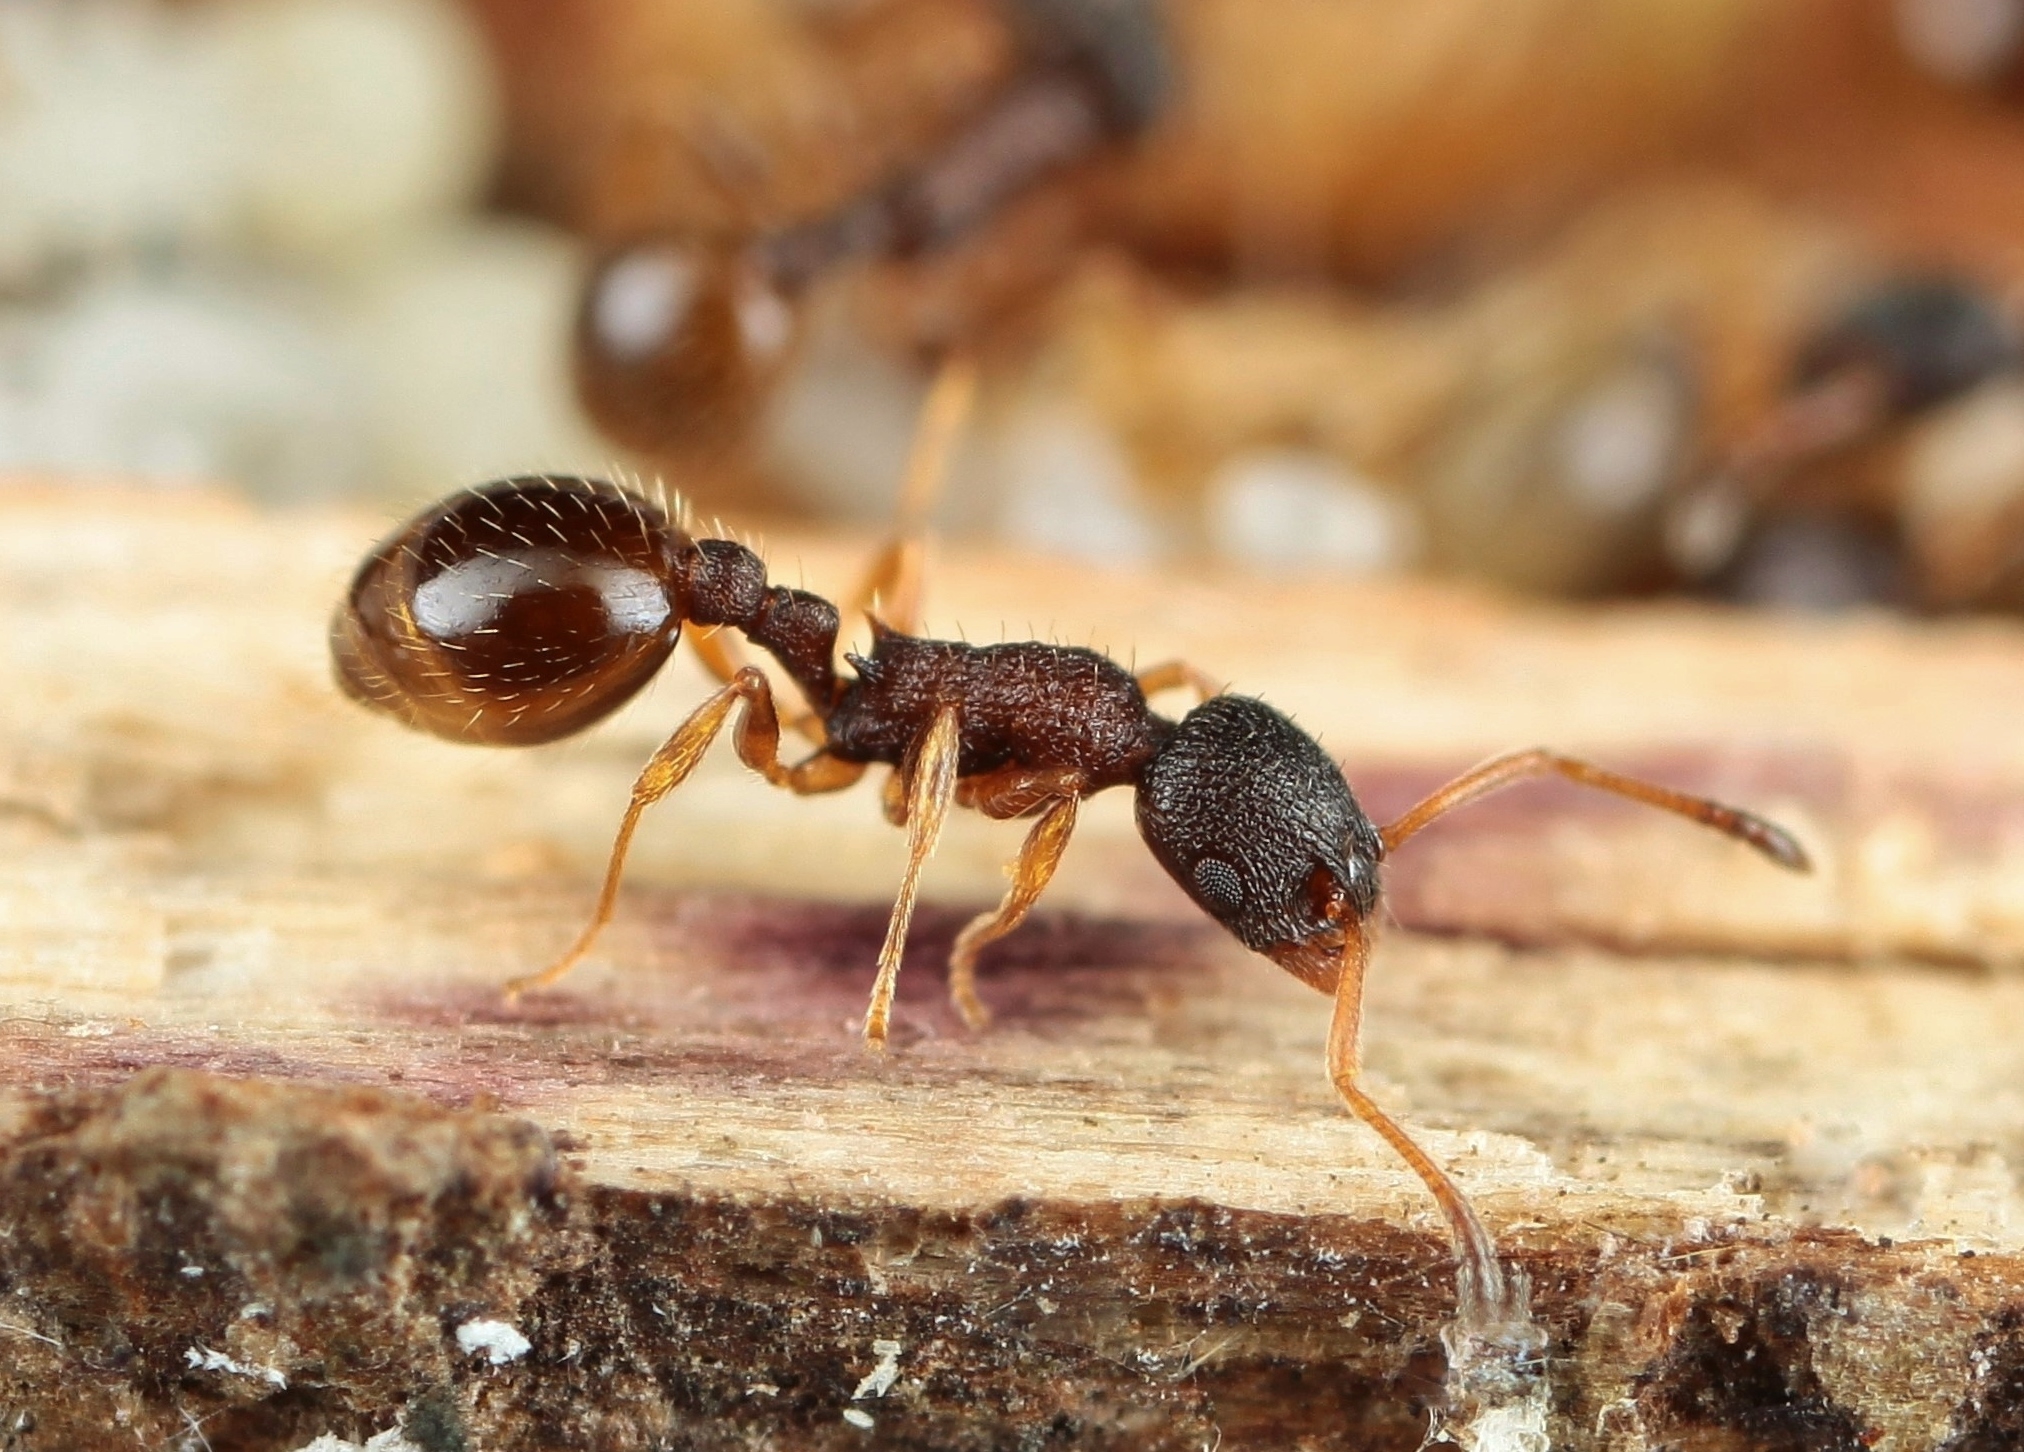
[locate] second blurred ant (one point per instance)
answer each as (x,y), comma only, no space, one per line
(680,338)
(524,610)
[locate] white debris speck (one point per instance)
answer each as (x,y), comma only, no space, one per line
(203,1358)
(391,1440)
(879,1380)
(193,1271)
(1517,1428)
(500,1342)
(859,1419)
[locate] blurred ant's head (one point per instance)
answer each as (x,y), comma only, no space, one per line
(1919,340)
(1255,822)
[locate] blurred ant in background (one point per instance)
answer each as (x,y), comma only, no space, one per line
(1756,533)
(718,237)
(680,339)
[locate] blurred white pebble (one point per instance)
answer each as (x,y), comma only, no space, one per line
(111,132)
(1963,493)
(1620,442)
(841,426)
(461,342)
(296,125)
(181,378)
(1967,460)
(1291,507)
(1066,485)
(354,118)
(434,363)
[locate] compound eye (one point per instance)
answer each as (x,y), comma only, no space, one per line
(678,344)
(512,614)
(1218,887)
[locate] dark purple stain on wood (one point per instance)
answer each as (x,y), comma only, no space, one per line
(735,989)
(773,966)
(44,1057)
(817,959)
(792,969)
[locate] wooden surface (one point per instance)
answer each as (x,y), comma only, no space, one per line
(1754,1138)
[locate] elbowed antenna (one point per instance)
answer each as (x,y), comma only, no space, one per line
(1767,837)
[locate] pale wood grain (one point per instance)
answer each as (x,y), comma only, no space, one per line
(1645,1040)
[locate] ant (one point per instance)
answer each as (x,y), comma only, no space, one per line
(523,610)
(681,338)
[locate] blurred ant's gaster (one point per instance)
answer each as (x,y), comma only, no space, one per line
(524,610)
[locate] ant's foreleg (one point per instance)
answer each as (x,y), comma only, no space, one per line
(758,741)
(1015,793)
(1767,837)
(1171,675)
(894,586)
(1479,1280)
(721,657)
(931,789)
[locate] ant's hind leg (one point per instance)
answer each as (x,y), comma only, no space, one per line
(1479,1280)
(1032,870)
(931,789)
(894,587)
(1171,675)
(758,739)
(1767,837)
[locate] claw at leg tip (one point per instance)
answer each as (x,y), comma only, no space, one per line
(1784,849)
(976,1018)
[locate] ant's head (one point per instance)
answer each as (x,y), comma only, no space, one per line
(513,613)
(1256,823)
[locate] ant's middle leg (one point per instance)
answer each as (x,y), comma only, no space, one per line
(1767,837)
(758,742)
(930,791)
(1171,675)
